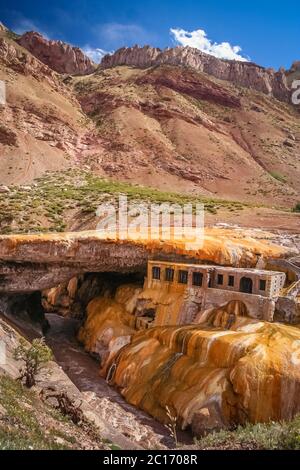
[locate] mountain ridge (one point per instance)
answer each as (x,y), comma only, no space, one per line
(165,126)
(58,55)
(67,59)
(247,74)
(64,58)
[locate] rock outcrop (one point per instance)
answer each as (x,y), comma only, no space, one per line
(295,66)
(52,379)
(293,73)
(244,74)
(58,55)
(228,369)
(30,263)
(2,27)
(23,63)
(190,83)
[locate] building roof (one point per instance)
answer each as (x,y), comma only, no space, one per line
(211,267)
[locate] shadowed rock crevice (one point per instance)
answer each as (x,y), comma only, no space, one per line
(25,309)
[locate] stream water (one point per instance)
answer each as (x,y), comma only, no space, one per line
(83,370)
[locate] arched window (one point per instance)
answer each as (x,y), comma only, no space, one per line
(246,285)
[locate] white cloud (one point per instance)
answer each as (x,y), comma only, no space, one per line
(23,25)
(199,40)
(96,54)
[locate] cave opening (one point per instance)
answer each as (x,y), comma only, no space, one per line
(70,299)
(61,311)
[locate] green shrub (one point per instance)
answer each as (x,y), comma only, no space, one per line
(270,436)
(297,207)
(12,35)
(34,355)
(278,177)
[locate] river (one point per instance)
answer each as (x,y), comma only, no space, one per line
(83,370)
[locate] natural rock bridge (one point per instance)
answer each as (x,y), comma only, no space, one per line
(30,263)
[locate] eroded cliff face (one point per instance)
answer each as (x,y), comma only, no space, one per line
(42,125)
(227,369)
(244,74)
(58,55)
(26,64)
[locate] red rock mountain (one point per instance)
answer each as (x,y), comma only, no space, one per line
(244,74)
(58,55)
(150,117)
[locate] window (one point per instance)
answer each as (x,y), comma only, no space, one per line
(169,275)
(262,284)
(183,277)
(220,279)
(197,279)
(231,281)
(156,273)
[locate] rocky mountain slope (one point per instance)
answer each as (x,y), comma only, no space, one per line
(58,55)
(152,121)
(42,126)
(244,74)
(176,127)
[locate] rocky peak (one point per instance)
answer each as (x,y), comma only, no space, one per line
(295,66)
(246,74)
(2,27)
(137,56)
(293,73)
(58,55)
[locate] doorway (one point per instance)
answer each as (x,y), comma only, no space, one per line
(246,285)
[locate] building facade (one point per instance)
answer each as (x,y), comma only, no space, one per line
(205,287)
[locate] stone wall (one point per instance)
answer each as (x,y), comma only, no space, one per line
(257,307)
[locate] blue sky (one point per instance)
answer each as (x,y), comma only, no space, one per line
(268,32)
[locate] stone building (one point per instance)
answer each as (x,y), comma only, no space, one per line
(205,286)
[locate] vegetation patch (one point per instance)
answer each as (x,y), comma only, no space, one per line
(29,423)
(272,436)
(297,207)
(278,177)
(56,200)
(34,356)
(19,425)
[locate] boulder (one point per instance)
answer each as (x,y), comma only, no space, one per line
(4,189)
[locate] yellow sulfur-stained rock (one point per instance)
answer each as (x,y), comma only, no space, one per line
(42,261)
(209,375)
